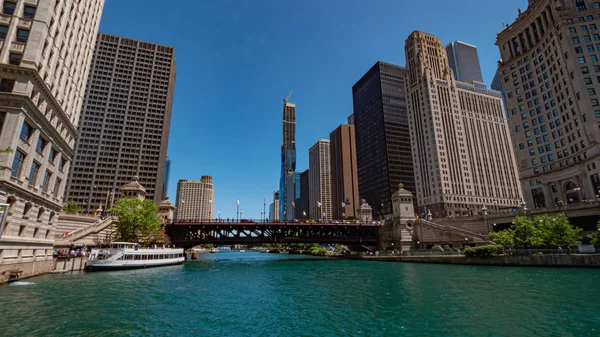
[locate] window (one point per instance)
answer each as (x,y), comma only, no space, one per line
(588,80)
(595,102)
(517,128)
(15,58)
(6,85)
(584,28)
(22,35)
(57,187)
(9,8)
(26,131)
(52,155)
(591,91)
(593,58)
(585,70)
(46,182)
(17,165)
(33,173)
(532,152)
(41,144)
(521,146)
(61,164)
(575,40)
(29,12)
(581,60)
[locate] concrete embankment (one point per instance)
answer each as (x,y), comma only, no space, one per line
(569,261)
(69,264)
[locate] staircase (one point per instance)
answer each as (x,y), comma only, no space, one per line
(96,227)
(455,230)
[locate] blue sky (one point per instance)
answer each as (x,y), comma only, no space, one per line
(237,59)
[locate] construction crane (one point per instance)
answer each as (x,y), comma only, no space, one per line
(288,96)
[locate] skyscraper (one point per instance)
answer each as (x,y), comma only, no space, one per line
(44,65)
(497,85)
(463,59)
(126,117)
(296,195)
(166,180)
(344,179)
(319,181)
(195,199)
(384,157)
(288,161)
(303,211)
(549,67)
(465,160)
(351,119)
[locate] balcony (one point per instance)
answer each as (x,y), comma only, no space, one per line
(17,46)
(5,19)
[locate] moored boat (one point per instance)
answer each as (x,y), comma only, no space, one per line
(127,255)
(214,250)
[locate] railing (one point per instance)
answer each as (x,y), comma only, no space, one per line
(453,229)
(273,222)
(84,231)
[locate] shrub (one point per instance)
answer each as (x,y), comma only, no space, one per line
(484,251)
(318,252)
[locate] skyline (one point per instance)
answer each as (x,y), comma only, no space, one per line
(252,61)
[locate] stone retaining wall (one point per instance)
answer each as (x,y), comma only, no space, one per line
(70,264)
(27,269)
(577,261)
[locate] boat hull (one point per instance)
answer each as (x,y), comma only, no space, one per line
(116,265)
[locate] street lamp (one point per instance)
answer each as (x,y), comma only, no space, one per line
(484,209)
(466,241)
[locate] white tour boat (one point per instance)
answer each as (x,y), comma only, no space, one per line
(127,255)
(214,250)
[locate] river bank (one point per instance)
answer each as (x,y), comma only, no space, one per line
(560,261)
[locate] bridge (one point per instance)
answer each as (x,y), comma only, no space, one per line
(190,234)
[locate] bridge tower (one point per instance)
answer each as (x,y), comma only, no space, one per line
(166,211)
(397,232)
(134,189)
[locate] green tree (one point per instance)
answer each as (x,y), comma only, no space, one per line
(526,233)
(557,231)
(595,237)
(505,238)
(71,206)
(137,221)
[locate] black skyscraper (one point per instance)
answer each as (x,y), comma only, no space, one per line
(383,149)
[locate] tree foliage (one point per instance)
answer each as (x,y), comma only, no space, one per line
(137,221)
(544,230)
(595,237)
(71,206)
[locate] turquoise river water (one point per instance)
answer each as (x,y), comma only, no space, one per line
(253,294)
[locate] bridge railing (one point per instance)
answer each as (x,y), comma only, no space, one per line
(274,222)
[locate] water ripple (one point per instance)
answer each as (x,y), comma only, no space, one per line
(251,294)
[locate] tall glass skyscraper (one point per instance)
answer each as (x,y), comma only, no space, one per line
(166,179)
(384,157)
(288,161)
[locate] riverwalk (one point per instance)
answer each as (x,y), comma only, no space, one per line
(548,260)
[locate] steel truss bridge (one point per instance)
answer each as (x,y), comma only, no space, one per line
(190,234)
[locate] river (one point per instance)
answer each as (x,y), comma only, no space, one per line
(254,294)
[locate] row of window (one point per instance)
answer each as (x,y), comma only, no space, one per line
(10,7)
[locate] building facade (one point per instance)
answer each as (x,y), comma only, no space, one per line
(463,59)
(465,161)
(497,85)
(548,68)
(195,199)
(384,157)
(288,161)
(303,210)
(344,178)
(125,122)
(276,206)
(165,190)
(351,119)
(45,54)
(319,181)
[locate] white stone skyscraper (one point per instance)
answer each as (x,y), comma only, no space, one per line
(549,72)
(319,181)
(195,199)
(46,49)
(463,154)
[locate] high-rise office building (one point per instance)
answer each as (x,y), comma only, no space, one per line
(303,211)
(319,181)
(296,195)
(47,48)
(166,180)
(497,85)
(465,160)
(288,161)
(351,119)
(548,68)
(126,117)
(195,199)
(344,179)
(463,59)
(384,157)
